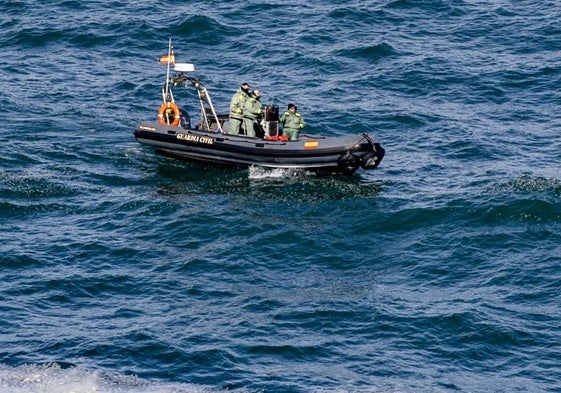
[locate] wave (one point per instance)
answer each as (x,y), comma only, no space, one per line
(37,186)
(205,30)
(64,378)
(372,53)
(532,184)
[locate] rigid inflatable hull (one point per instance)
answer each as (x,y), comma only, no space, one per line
(315,153)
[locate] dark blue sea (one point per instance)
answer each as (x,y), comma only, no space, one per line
(122,270)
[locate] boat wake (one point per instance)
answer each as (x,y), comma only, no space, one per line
(257,173)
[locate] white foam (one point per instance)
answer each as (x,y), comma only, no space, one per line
(256,172)
(51,378)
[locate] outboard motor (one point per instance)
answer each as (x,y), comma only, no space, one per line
(271,120)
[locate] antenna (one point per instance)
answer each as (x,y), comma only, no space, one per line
(167,73)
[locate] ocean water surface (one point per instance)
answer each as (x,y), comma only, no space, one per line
(123,270)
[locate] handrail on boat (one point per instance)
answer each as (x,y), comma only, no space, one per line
(204,98)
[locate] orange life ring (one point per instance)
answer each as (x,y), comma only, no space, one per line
(169,114)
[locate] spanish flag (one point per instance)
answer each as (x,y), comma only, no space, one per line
(311,144)
(167,59)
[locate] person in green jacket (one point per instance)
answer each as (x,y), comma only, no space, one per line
(236,108)
(252,113)
(292,122)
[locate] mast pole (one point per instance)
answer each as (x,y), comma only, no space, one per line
(167,73)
